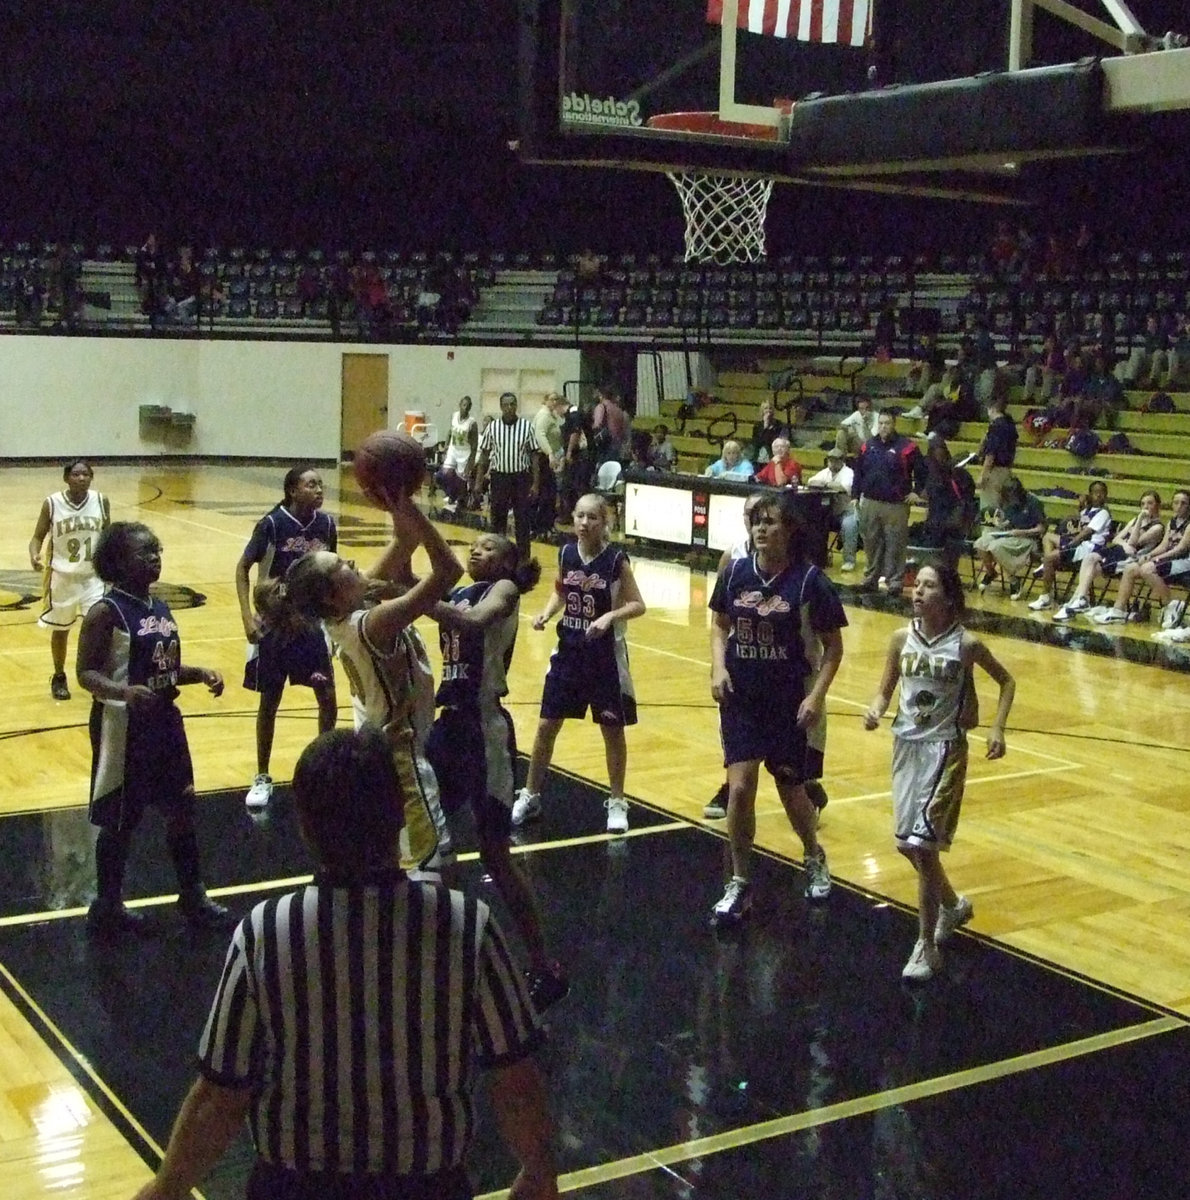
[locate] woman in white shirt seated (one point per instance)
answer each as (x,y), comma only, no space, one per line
(733,464)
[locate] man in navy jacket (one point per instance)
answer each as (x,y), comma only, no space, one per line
(889,471)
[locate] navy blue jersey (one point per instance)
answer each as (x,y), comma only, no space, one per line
(279,539)
(475,661)
(145,647)
(772,618)
(586,590)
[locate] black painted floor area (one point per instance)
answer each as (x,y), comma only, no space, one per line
(672,1033)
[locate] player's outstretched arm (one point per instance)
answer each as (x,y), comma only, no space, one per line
(499,600)
(410,525)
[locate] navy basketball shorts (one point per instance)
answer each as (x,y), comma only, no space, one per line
(292,659)
(578,681)
(152,766)
(1173,568)
(754,730)
(472,753)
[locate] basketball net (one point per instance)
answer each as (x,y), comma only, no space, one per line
(724,215)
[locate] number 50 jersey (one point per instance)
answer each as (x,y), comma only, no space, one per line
(775,620)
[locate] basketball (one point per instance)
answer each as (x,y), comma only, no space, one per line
(389,462)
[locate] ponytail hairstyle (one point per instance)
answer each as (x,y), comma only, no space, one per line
(306,588)
(291,479)
(277,610)
(524,574)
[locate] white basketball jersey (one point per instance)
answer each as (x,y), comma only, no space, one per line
(933,684)
(74,530)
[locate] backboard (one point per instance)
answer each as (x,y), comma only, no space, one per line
(610,81)
(896,103)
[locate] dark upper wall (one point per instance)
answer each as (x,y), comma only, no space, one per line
(356,125)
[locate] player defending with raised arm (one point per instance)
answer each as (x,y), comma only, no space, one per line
(933,660)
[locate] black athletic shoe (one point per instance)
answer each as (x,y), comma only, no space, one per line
(547,987)
(716,810)
(58,688)
(201,912)
(111,920)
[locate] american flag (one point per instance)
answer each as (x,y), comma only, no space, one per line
(847,22)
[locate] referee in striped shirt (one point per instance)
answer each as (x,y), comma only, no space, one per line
(508,450)
(351,1016)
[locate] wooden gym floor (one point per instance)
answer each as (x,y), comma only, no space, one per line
(783,1062)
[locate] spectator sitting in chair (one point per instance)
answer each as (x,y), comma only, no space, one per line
(1140,536)
(836,477)
(663,454)
(801,434)
(782,469)
(1168,560)
(857,428)
(1178,369)
(1014,540)
(1077,537)
(765,432)
(732,465)
(641,448)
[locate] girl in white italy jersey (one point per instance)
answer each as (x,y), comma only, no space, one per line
(933,661)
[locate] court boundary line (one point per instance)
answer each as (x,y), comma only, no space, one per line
(98,1092)
(19,920)
(680,1152)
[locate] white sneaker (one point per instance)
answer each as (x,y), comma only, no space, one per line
(914,414)
(818,877)
(882,584)
(617,814)
(1041,603)
(1071,609)
(260,793)
(924,963)
(526,806)
(1180,634)
(950,919)
(1171,614)
(1111,616)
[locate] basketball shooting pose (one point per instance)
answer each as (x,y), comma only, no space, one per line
(933,660)
(72,519)
(596,593)
(381,661)
(277,656)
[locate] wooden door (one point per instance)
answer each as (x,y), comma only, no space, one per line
(363,404)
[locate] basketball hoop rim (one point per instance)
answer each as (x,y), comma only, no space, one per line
(711,124)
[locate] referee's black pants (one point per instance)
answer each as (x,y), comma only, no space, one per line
(510,490)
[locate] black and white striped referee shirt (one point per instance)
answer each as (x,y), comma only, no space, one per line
(511,445)
(358,1015)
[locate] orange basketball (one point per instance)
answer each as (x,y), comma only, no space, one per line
(389,462)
